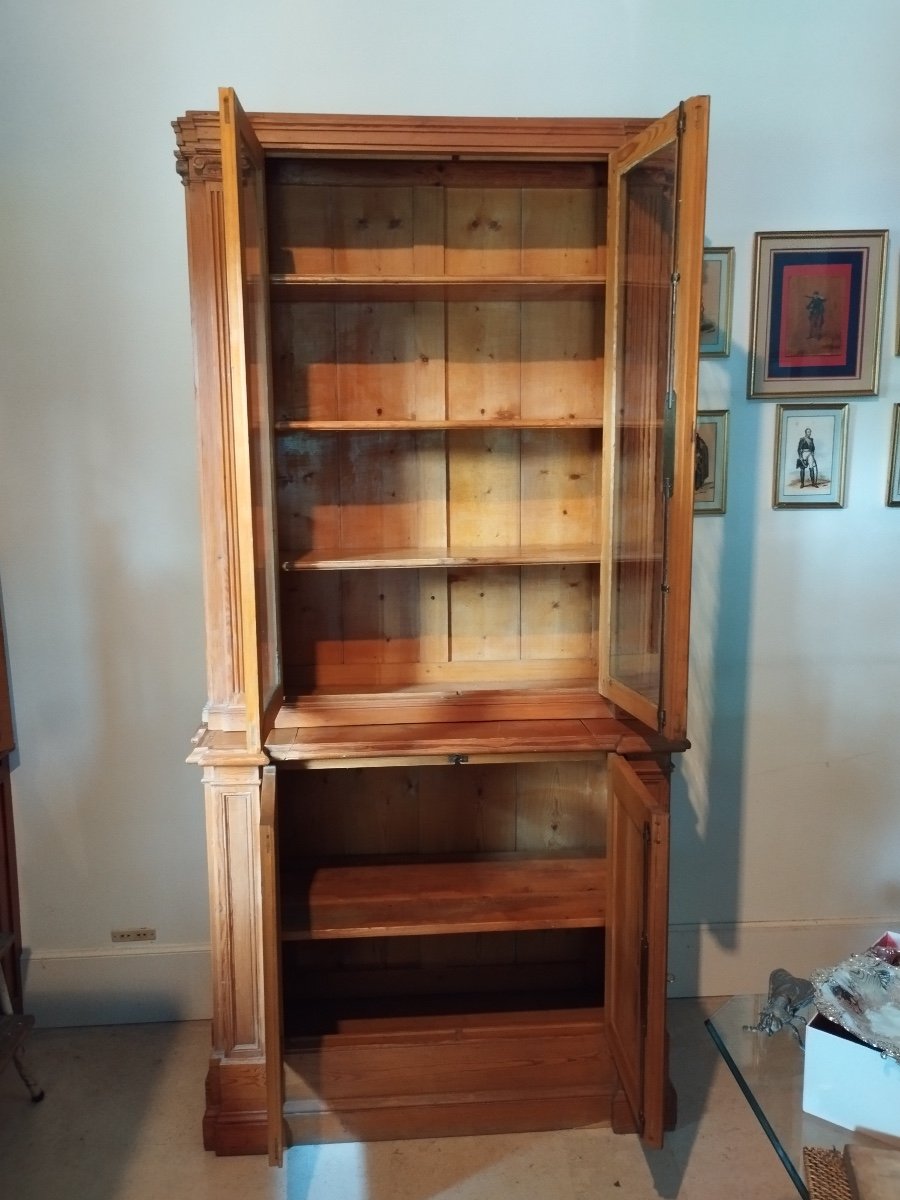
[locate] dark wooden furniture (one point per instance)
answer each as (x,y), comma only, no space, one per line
(14,1027)
(9,885)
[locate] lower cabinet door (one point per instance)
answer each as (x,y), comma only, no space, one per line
(271,966)
(636,936)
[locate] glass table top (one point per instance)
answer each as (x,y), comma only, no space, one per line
(769,1071)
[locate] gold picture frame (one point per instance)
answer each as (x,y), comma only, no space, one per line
(716,297)
(893,489)
(818,302)
(710,463)
(810,455)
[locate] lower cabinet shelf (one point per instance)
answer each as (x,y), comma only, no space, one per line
(472,895)
(541,1061)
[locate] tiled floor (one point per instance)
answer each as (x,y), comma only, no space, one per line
(121,1121)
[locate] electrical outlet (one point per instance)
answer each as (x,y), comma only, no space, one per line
(133,935)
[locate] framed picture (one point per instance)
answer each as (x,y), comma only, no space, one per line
(810,453)
(893,494)
(817,308)
(710,462)
(715,302)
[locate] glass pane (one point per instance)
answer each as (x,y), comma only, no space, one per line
(646,264)
(769,1071)
(255,275)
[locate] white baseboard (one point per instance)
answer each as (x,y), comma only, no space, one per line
(729,958)
(119,986)
(132,983)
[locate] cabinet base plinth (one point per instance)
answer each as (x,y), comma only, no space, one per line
(235,1118)
(443,1076)
(449,1119)
(622,1118)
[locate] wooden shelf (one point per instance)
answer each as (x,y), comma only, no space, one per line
(345,559)
(420,557)
(541,711)
(514,740)
(361,1020)
(443,288)
(426,897)
(413,425)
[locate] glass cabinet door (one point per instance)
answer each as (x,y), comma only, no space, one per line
(250,413)
(657,196)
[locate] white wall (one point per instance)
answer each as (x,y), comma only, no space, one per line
(784,846)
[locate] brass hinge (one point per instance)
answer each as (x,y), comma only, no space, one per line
(645,973)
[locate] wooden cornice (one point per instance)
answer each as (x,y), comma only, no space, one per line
(554,138)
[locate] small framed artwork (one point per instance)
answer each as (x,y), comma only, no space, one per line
(710,462)
(893,494)
(810,453)
(715,301)
(817,310)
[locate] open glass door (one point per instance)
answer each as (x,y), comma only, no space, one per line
(636,934)
(250,412)
(656,214)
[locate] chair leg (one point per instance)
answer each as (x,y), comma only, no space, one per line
(36,1092)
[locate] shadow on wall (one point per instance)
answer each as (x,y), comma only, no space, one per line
(707,791)
(707,787)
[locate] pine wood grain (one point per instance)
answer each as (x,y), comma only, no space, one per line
(443,897)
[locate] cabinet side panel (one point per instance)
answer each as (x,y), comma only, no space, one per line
(232,817)
(206,264)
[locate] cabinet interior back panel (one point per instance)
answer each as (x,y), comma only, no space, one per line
(489,808)
(463,361)
(494,494)
(503,626)
(490,493)
(395,219)
(480,972)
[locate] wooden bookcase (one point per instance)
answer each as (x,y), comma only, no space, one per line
(446,372)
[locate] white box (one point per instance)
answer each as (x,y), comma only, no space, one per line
(849,1083)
